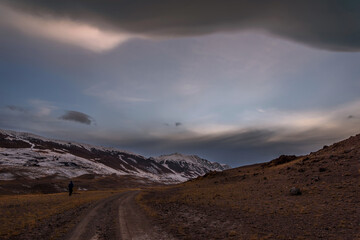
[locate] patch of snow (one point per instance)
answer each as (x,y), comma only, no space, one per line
(43,163)
(152,170)
(31,144)
(133,160)
(156,167)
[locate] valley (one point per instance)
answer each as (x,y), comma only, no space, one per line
(315,196)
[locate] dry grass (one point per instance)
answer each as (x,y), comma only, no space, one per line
(141,201)
(262,192)
(254,201)
(21,212)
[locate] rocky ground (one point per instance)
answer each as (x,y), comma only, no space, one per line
(256,202)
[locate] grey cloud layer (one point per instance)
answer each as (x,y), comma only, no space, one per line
(237,148)
(257,144)
(77,117)
(327,24)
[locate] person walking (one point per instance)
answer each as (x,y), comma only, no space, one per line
(70,186)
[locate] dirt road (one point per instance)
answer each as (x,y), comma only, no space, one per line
(117,217)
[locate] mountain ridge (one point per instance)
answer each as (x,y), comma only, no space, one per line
(29,155)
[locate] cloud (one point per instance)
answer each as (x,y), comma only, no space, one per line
(42,108)
(331,24)
(64,30)
(77,117)
(234,145)
(177,124)
(235,148)
(257,140)
(114,94)
(16,108)
(265,136)
(36,108)
(188,89)
(134,99)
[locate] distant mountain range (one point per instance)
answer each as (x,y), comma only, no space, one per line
(30,156)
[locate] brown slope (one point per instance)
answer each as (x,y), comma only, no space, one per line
(254,202)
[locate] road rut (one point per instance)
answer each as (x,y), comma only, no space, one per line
(117,217)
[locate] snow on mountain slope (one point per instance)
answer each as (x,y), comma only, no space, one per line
(40,163)
(189,166)
(32,156)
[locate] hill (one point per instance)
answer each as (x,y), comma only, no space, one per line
(316,196)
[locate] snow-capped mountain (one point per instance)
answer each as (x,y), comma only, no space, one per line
(32,156)
(189,166)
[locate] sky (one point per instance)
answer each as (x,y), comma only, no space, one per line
(237,82)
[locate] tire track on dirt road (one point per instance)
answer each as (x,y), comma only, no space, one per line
(117,217)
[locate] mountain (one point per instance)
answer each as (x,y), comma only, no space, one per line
(189,166)
(30,156)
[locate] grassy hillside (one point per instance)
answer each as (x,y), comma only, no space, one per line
(254,202)
(21,214)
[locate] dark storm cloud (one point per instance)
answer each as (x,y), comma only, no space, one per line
(77,117)
(237,148)
(327,24)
